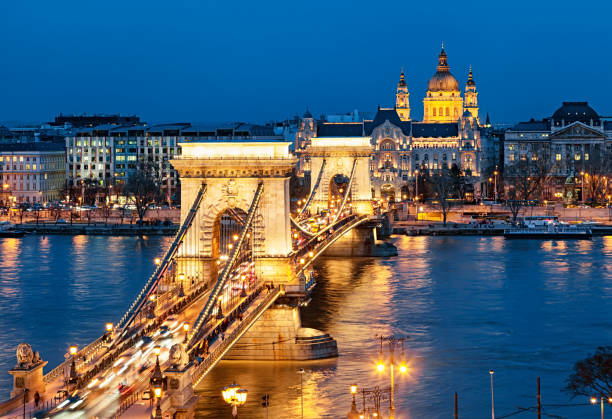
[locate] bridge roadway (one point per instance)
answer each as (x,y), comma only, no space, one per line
(124,374)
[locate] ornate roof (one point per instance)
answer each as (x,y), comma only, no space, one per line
(576,111)
(443,80)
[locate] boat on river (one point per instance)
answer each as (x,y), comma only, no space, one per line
(547,228)
(8,230)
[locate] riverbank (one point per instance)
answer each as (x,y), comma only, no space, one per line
(99,229)
(458,229)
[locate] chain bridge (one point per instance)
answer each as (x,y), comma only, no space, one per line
(229,286)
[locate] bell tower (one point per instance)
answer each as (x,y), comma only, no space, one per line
(471,96)
(402,104)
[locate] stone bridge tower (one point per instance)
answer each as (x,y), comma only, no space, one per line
(339,155)
(232,171)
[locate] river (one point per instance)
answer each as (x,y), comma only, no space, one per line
(467,304)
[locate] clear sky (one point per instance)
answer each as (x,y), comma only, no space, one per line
(261,60)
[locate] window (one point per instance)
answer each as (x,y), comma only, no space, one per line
(131,158)
(120,158)
(577,156)
(511,157)
(558,157)
(447,111)
(440,111)
(454,156)
(510,147)
(434,111)
(444,157)
(586,156)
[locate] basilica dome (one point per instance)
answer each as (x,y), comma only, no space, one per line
(443,80)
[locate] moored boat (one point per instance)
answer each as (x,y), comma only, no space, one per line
(548,230)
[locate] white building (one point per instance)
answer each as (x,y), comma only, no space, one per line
(32,172)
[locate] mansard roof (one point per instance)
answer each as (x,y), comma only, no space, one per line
(387,114)
(532,125)
(340,129)
(439,130)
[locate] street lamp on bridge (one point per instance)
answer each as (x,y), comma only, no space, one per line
(73,373)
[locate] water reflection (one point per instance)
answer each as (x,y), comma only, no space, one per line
(523,308)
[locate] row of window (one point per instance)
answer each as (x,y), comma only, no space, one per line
(108,142)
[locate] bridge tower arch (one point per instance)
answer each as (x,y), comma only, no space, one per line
(232,172)
(336,156)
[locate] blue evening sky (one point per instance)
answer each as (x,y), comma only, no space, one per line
(262,60)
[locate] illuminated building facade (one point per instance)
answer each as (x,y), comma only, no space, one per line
(31,172)
(449,134)
(574,139)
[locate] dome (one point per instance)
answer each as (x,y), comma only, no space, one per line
(571,112)
(443,80)
(307,114)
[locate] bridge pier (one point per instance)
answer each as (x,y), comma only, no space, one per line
(279,335)
(361,241)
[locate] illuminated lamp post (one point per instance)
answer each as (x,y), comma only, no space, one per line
(219,311)
(186,329)
(403,368)
(234,396)
(353,413)
(158,382)
(594,401)
(582,186)
(73,372)
(495,173)
(491,372)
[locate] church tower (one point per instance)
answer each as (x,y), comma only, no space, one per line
(471,96)
(402,104)
(443,101)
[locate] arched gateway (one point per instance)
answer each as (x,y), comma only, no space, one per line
(232,172)
(347,157)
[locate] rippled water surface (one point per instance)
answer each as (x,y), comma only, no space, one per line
(469,304)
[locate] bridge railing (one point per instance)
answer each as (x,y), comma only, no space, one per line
(224,346)
(79,356)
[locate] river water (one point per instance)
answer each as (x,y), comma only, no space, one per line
(467,304)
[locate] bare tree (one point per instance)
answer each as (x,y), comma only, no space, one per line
(595,173)
(445,188)
(143,189)
(593,375)
(528,179)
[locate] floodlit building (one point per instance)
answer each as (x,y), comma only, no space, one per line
(32,172)
(450,133)
(574,139)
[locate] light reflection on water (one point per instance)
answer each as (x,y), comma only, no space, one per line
(60,290)
(523,308)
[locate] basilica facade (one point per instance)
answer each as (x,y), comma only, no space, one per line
(449,134)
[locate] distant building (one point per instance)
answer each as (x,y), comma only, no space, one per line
(573,139)
(110,154)
(450,134)
(79,121)
(32,172)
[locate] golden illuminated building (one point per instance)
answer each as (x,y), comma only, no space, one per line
(442,102)
(449,134)
(402,103)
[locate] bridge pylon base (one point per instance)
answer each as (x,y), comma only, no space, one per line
(361,241)
(181,401)
(30,378)
(279,335)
